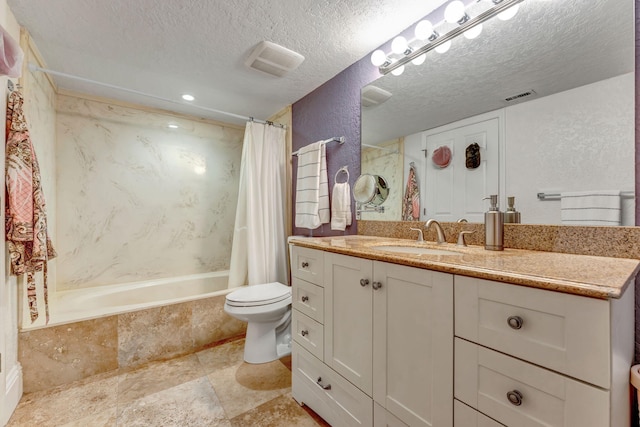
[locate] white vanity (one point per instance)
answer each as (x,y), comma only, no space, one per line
(389,339)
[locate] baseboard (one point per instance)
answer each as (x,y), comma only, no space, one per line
(13,392)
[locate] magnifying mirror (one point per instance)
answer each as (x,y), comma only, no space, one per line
(370,190)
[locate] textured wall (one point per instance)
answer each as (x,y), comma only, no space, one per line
(139,201)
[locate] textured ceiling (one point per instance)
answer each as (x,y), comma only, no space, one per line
(167,48)
(550,46)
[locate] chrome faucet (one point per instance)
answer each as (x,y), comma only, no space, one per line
(439,230)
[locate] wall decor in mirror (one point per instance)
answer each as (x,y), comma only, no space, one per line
(535,107)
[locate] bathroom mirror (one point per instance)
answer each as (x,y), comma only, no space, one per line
(370,190)
(567,68)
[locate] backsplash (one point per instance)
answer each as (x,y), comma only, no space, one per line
(616,242)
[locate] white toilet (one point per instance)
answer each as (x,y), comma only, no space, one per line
(267,310)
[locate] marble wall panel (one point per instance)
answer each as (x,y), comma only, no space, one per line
(138,200)
(62,354)
(389,165)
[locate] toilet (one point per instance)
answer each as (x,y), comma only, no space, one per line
(267,310)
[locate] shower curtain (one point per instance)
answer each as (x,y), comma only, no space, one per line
(259,252)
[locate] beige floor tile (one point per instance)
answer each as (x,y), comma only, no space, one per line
(103,419)
(60,407)
(157,376)
(244,387)
(279,412)
(222,357)
(190,404)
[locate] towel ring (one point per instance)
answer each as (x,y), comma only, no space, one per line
(344,169)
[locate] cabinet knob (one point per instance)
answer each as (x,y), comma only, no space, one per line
(377,285)
(515,322)
(515,397)
(305,264)
(305,298)
(364,282)
(324,387)
(304,333)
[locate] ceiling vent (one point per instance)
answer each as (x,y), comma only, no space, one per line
(273,59)
(520,96)
(372,95)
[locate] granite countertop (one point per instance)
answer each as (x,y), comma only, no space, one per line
(591,276)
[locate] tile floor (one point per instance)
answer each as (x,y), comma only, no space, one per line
(211,388)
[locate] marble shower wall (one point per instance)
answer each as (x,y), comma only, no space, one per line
(389,165)
(138,200)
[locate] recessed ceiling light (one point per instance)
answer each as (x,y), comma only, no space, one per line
(188,97)
(172,126)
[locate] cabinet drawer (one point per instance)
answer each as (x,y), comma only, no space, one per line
(563,332)
(308,333)
(465,416)
(308,299)
(520,394)
(307,264)
(335,399)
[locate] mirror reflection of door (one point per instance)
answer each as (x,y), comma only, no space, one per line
(455,191)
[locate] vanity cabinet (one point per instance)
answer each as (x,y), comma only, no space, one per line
(532,357)
(388,332)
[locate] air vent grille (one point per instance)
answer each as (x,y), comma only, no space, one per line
(519,96)
(273,59)
(373,95)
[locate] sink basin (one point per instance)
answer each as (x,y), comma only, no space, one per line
(415,250)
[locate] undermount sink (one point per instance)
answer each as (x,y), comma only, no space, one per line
(414,250)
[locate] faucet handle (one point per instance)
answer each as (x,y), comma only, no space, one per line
(461,241)
(420,236)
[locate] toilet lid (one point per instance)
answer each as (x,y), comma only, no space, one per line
(267,293)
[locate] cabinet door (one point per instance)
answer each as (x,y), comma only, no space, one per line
(348,318)
(413,344)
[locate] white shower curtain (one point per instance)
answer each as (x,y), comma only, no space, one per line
(259,252)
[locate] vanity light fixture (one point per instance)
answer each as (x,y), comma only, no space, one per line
(404,51)
(188,97)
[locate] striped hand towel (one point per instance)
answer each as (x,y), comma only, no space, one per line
(312,187)
(590,207)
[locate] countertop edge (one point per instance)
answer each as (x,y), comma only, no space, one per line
(540,282)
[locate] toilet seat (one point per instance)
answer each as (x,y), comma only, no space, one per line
(257,295)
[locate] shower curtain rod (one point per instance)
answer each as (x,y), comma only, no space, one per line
(34,67)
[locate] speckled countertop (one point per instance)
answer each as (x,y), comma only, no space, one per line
(592,276)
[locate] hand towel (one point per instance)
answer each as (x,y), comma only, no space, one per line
(590,207)
(341,206)
(312,187)
(411,201)
(28,242)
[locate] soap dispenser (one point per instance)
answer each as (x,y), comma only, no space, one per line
(511,216)
(493,226)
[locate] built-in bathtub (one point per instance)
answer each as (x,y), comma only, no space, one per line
(97,330)
(90,303)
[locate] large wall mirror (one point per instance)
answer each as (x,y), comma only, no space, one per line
(569,67)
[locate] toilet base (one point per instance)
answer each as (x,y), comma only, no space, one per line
(266,342)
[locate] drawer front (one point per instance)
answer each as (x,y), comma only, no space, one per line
(307,264)
(465,416)
(517,393)
(335,399)
(308,299)
(562,332)
(308,333)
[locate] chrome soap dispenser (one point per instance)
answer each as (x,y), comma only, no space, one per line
(494,226)
(511,215)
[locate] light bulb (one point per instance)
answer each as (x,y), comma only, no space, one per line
(398,71)
(419,60)
(188,97)
(474,32)
(378,58)
(443,47)
(399,45)
(509,13)
(423,30)
(172,126)
(454,12)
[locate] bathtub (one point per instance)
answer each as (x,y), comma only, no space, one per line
(90,303)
